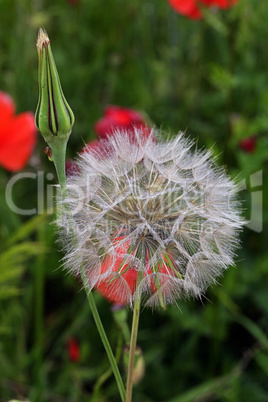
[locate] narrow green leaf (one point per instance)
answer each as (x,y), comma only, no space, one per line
(27,229)
(253,329)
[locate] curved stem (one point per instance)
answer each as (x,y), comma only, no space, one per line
(58,155)
(96,390)
(106,345)
(132,350)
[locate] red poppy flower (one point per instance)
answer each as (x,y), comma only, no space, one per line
(190,8)
(73,350)
(116,285)
(248,144)
(116,117)
(17,135)
(96,146)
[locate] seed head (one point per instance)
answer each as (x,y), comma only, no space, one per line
(152,219)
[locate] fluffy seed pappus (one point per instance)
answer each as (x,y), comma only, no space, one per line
(152,219)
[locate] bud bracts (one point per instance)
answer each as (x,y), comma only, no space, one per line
(53,116)
(152,220)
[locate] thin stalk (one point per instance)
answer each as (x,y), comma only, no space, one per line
(106,344)
(96,390)
(132,350)
(58,155)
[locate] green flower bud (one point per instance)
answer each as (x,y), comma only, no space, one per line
(139,363)
(54,117)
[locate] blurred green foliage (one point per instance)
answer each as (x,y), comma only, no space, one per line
(208,78)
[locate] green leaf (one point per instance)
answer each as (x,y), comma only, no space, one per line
(203,390)
(253,329)
(27,229)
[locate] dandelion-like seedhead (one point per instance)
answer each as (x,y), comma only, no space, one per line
(151,219)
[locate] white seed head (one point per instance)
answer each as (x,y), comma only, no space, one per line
(151,219)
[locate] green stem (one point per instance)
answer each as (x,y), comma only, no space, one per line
(132,350)
(58,155)
(96,390)
(106,344)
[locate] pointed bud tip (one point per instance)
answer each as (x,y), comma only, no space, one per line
(42,39)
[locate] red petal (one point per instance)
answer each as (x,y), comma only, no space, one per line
(104,126)
(186,7)
(92,145)
(118,290)
(111,288)
(98,147)
(118,114)
(122,114)
(7,107)
(248,144)
(74,350)
(17,140)
(208,3)
(224,3)
(116,117)
(190,8)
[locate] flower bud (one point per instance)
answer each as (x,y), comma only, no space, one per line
(74,350)
(53,117)
(139,363)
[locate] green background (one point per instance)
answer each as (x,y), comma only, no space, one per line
(208,78)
